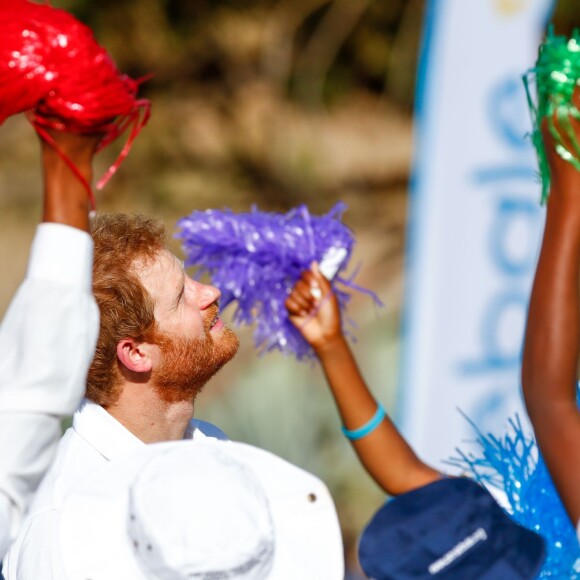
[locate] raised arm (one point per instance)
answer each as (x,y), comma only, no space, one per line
(384,452)
(549,371)
(48,334)
(65,197)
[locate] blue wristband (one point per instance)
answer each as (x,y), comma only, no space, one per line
(368,427)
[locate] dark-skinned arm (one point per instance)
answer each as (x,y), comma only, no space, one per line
(66,200)
(385,454)
(48,334)
(550,358)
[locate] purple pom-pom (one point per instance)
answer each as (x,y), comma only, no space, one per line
(256,258)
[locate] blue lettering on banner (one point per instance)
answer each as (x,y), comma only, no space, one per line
(509,211)
(495,356)
(505,181)
(508,114)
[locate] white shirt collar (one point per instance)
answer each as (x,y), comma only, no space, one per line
(101,430)
(111,439)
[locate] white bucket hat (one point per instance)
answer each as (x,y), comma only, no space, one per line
(209,510)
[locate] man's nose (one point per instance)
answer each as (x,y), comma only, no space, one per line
(207,295)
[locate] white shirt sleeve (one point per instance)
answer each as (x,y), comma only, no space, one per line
(6,522)
(47,341)
(36,556)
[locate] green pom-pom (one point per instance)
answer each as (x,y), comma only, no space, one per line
(557,72)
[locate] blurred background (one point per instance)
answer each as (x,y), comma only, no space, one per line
(273,103)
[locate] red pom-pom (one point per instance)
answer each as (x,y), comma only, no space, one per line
(52,68)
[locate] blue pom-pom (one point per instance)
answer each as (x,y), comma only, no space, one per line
(514,465)
(256,258)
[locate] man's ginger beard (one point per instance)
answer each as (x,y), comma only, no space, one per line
(189,363)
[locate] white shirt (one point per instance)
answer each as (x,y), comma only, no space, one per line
(47,341)
(95,438)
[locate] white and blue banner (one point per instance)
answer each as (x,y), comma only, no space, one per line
(475,222)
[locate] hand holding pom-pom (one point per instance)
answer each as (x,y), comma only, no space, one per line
(314,309)
(256,259)
(52,68)
(556,111)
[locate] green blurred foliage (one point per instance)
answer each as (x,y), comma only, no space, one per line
(313,50)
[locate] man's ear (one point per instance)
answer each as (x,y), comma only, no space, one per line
(134,355)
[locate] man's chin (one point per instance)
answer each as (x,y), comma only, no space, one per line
(189,364)
(229,342)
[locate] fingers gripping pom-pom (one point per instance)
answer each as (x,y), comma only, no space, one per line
(556,74)
(256,258)
(52,68)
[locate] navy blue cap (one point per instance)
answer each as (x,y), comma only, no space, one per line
(452,529)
